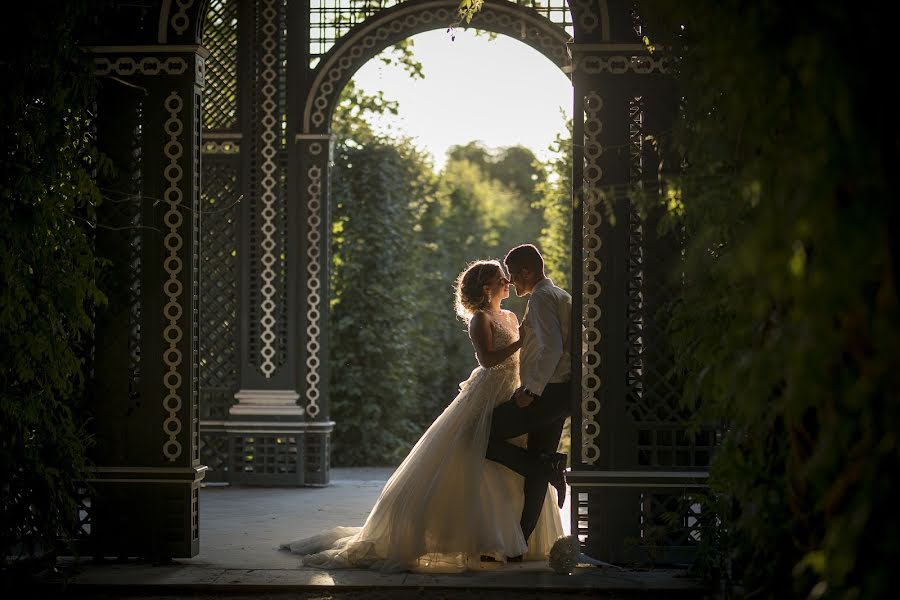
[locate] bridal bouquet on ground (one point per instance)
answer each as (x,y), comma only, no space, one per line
(563,557)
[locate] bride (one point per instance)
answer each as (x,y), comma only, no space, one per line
(446,508)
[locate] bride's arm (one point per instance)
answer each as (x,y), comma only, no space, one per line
(482,337)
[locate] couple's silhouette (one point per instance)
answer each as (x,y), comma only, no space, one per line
(475,485)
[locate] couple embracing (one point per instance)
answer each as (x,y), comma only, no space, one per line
(475,486)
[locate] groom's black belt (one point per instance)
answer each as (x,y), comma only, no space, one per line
(559,383)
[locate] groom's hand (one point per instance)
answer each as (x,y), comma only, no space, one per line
(522,398)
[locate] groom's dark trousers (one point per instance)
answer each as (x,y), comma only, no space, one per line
(543,421)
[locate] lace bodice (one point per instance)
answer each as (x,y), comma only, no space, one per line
(504,335)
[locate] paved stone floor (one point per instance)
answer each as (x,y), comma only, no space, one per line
(241,528)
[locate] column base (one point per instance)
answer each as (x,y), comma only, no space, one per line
(278,453)
(267,403)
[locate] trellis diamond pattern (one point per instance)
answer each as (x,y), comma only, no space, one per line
(218,292)
(329,20)
(220,38)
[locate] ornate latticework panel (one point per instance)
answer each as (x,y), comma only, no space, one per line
(316,456)
(670,527)
(331,19)
(673,446)
(197,203)
(267,253)
(652,388)
(667,525)
(195,513)
(135,272)
(219,289)
(264,457)
(84,516)
(220,37)
(592,220)
(556,11)
(214,454)
(580,524)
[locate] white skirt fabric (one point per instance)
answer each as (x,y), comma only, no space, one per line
(445,505)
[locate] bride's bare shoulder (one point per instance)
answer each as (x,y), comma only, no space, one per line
(478,318)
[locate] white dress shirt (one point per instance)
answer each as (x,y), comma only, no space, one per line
(546,354)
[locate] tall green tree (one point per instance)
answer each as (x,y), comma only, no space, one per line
(518,170)
(375,345)
(505,185)
(383,351)
(554,204)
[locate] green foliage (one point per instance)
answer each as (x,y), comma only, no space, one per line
(48,271)
(373,329)
(498,190)
(788,327)
(468,9)
(554,201)
(516,167)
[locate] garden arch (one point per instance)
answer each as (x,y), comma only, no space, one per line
(221,371)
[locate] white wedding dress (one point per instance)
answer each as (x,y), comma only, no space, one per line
(446,505)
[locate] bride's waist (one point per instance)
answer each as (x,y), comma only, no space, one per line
(510,364)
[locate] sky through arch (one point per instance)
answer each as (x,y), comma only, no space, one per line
(477,87)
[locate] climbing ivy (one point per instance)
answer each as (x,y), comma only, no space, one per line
(788,330)
(48,270)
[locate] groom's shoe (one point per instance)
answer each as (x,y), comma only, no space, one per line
(558,476)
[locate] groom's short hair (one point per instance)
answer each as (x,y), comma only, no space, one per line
(527,256)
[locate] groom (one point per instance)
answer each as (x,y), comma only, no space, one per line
(540,407)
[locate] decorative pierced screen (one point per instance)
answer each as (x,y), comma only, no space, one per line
(581,524)
(591,315)
(669,520)
(218,286)
(214,454)
(220,38)
(135,266)
(329,20)
(267,251)
(265,454)
(652,388)
(556,11)
(317,450)
(85,514)
(196,204)
(195,512)
(672,446)
(668,526)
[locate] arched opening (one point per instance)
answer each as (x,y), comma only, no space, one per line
(490,193)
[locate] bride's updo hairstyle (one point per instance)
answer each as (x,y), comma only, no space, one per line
(469,287)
